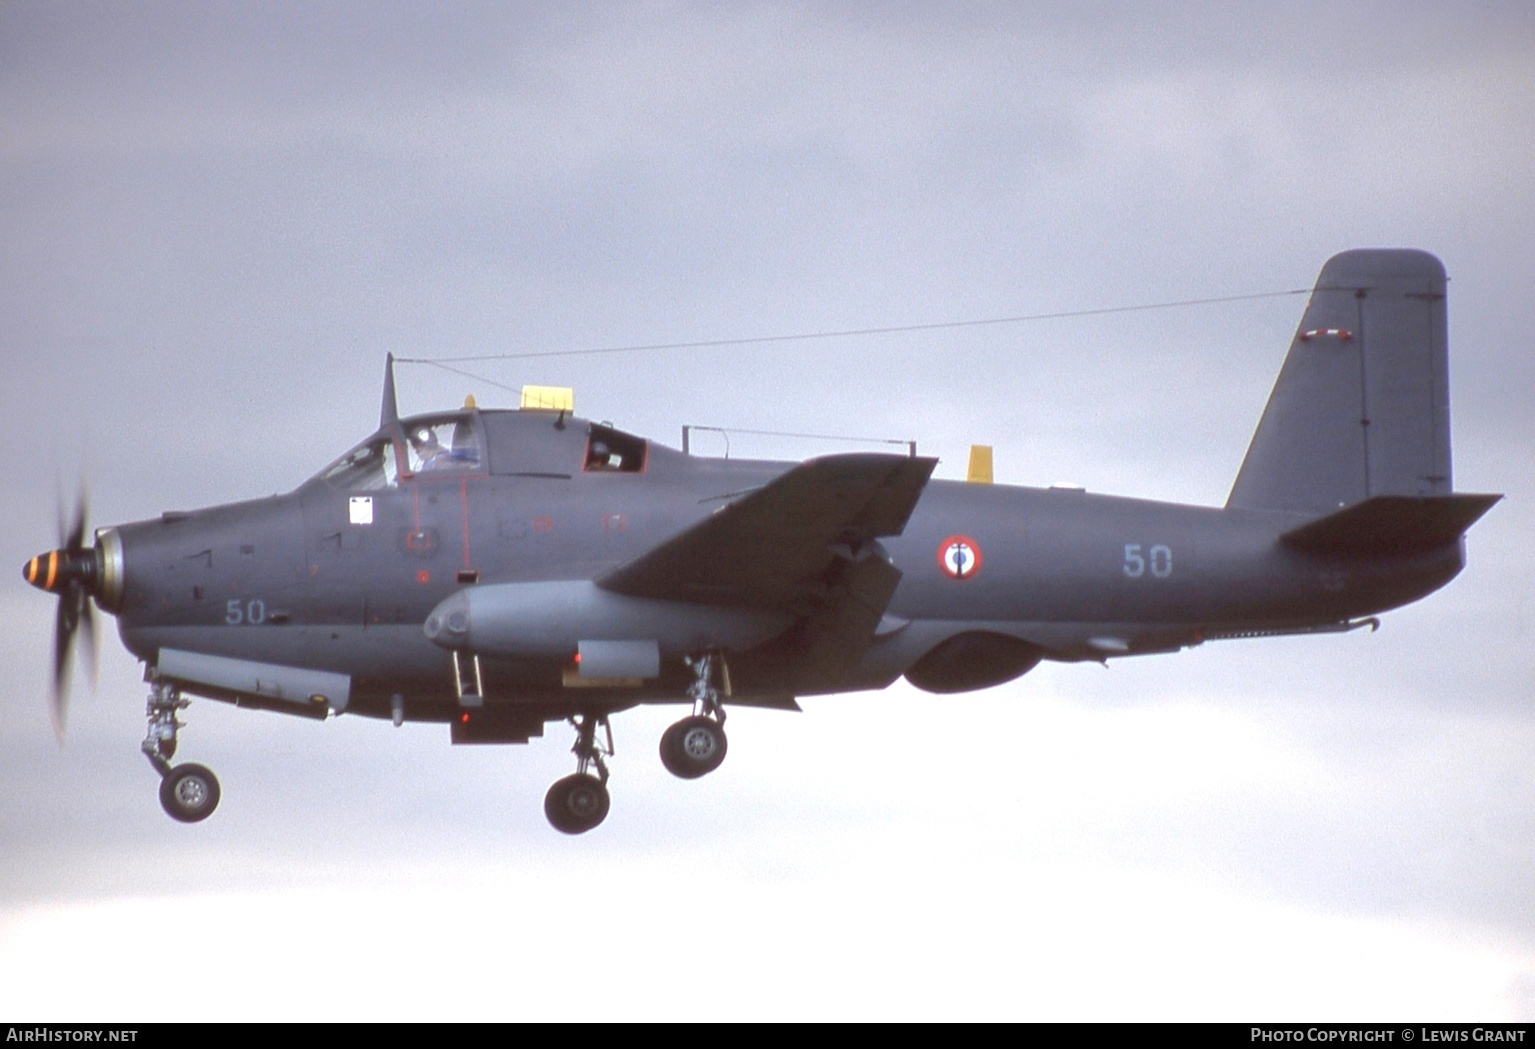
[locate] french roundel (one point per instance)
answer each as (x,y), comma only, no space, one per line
(959,556)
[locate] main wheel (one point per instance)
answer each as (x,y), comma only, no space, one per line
(576,804)
(693,747)
(189,793)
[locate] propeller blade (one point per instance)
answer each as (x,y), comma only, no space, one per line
(90,652)
(70,574)
(63,641)
(76,540)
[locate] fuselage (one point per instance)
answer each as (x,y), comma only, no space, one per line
(341,574)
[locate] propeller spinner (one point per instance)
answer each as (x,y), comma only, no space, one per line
(74,573)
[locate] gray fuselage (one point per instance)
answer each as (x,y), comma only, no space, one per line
(341,574)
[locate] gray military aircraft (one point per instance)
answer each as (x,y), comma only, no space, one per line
(497,570)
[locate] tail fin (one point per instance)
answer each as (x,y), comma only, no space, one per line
(1362,404)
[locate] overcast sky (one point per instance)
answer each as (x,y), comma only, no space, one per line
(216,219)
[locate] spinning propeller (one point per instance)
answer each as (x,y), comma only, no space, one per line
(73,572)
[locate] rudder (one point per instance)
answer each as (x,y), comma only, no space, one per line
(1361,406)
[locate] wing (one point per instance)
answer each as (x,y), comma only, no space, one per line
(778,546)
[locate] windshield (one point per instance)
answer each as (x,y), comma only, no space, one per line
(368,466)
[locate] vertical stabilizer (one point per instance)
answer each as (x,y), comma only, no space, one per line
(1362,404)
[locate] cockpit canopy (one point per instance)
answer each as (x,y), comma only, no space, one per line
(431,444)
(517,443)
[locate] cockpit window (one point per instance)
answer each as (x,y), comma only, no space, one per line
(613,451)
(433,445)
(439,445)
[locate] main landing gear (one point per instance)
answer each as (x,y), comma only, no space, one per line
(695,746)
(577,803)
(188,793)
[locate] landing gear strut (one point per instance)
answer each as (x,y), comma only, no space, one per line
(577,803)
(695,746)
(188,793)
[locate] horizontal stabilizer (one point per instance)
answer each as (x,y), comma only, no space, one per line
(1392,525)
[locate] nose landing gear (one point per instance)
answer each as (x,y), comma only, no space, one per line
(188,793)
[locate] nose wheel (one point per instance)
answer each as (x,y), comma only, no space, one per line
(188,793)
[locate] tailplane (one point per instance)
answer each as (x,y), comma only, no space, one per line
(1362,405)
(1391,525)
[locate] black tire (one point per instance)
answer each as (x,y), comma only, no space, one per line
(671,742)
(576,804)
(693,747)
(189,793)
